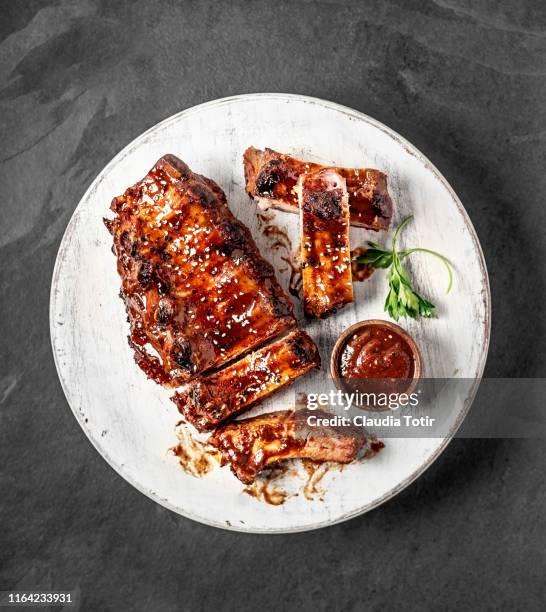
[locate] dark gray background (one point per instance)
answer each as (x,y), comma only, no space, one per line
(465,82)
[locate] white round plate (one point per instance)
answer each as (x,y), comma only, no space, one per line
(130,420)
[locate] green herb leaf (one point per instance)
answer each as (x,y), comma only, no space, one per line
(376,258)
(402,299)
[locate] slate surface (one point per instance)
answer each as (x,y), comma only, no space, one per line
(465,82)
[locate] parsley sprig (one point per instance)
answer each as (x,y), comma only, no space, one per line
(402,299)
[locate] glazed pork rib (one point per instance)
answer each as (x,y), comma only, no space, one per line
(325,250)
(213,398)
(271,178)
(196,289)
(251,445)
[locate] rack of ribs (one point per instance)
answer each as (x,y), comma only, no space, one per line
(210,399)
(271,178)
(325,250)
(197,291)
(251,445)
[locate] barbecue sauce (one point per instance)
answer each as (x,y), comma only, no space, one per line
(376,352)
(360,272)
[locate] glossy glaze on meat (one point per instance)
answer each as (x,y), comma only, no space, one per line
(271,178)
(197,291)
(211,399)
(325,250)
(251,445)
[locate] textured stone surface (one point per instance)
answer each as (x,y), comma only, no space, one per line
(465,82)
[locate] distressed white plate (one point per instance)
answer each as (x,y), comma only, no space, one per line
(130,420)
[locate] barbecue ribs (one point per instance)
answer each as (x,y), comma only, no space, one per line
(196,289)
(271,178)
(211,399)
(251,445)
(325,251)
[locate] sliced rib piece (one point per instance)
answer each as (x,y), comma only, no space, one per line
(271,178)
(196,289)
(213,398)
(325,250)
(253,444)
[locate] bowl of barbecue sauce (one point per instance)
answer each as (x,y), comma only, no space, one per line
(375,357)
